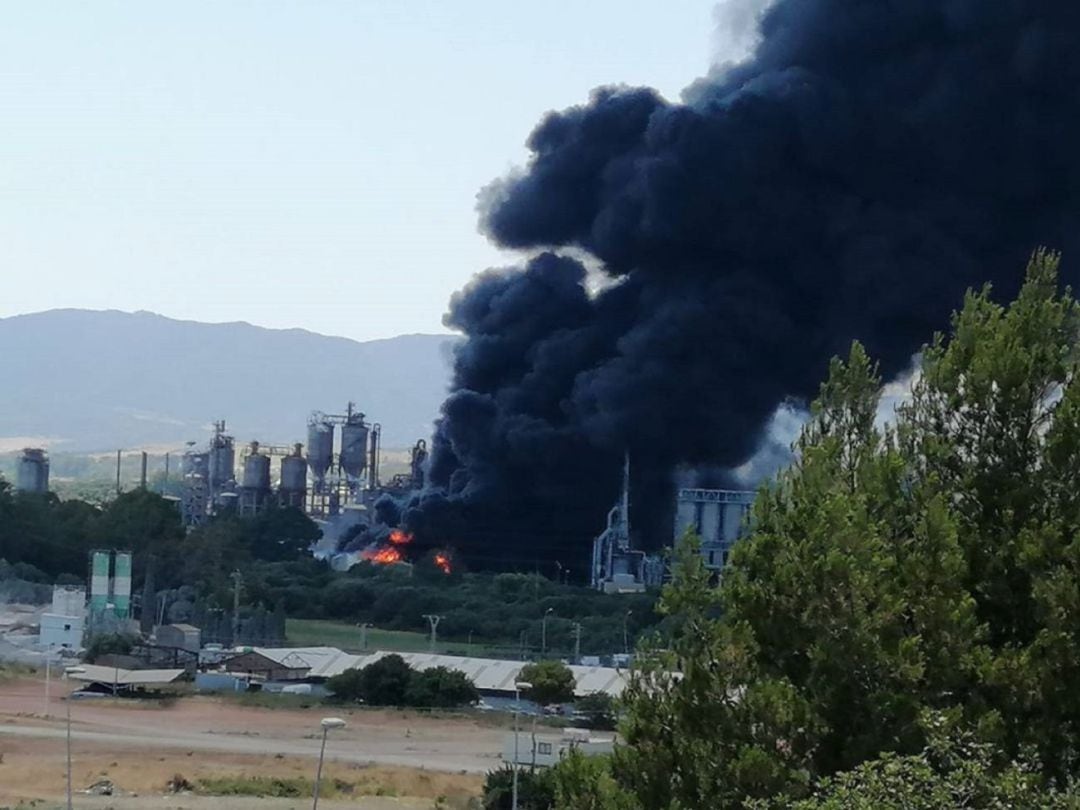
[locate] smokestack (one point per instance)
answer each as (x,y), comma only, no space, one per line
(865,166)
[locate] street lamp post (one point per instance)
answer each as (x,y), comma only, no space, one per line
(69,671)
(625,632)
(327,724)
(543,632)
(48,678)
(519,687)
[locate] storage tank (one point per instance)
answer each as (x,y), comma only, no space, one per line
(32,471)
(122,584)
(293,487)
(354,442)
(256,470)
(320,448)
(222,462)
(99,580)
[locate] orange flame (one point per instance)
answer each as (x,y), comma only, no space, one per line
(443,562)
(398,537)
(382,556)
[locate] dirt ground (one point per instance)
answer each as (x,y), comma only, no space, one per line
(386,758)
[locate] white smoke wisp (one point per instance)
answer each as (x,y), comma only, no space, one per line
(776,452)
(736,32)
(897,393)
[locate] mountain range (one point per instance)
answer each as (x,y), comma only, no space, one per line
(83,380)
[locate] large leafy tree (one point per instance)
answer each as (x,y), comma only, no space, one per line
(926,565)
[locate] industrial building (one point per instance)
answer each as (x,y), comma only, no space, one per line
(491,677)
(718,516)
(339,471)
(616,567)
(63,625)
(32,471)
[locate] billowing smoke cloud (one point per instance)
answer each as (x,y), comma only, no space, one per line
(869,162)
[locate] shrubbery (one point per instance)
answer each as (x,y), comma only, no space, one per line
(900,629)
(551,682)
(392,682)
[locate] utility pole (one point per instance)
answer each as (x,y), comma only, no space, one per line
(577,642)
(433,620)
(142,472)
(543,632)
(117,473)
(237,581)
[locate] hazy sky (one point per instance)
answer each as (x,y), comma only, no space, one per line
(306,163)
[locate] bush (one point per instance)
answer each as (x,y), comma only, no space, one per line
(599,711)
(348,687)
(440,688)
(552,682)
(536,789)
(109,644)
(391,682)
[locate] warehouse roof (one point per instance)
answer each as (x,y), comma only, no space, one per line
(316,659)
(126,677)
(487,674)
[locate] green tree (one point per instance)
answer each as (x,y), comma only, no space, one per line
(950,772)
(536,789)
(929,565)
(441,688)
(279,534)
(109,644)
(599,710)
(552,682)
(347,686)
(385,682)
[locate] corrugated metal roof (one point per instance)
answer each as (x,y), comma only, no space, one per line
(318,660)
(487,674)
(126,677)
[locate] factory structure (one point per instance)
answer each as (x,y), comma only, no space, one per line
(32,471)
(337,472)
(718,516)
(335,480)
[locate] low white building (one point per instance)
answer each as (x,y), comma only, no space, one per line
(62,632)
(62,627)
(547,749)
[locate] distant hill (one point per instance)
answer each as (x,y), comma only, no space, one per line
(90,380)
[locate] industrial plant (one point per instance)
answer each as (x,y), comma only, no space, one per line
(718,516)
(338,471)
(335,480)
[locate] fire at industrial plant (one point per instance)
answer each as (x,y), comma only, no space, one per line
(695,264)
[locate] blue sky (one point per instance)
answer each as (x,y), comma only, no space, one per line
(304,164)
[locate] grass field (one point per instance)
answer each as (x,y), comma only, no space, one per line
(319,633)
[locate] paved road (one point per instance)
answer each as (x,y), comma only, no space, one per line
(343,751)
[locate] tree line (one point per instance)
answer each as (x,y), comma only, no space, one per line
(901,629)
(183,576)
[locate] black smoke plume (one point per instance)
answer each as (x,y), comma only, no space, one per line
(869,162)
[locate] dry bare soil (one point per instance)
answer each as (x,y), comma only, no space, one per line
(382,759)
